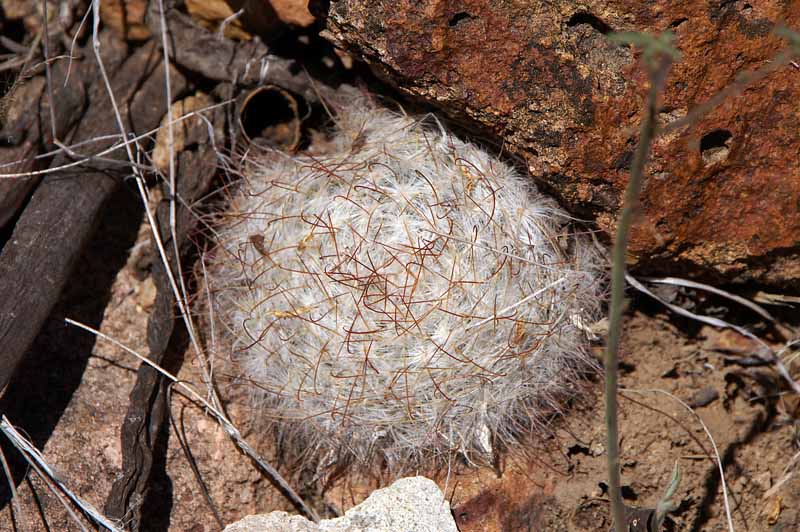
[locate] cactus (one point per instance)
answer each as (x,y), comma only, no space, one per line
(401,294)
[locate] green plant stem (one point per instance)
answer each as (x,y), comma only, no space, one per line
(646,135)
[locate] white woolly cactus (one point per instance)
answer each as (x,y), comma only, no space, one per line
(405,294)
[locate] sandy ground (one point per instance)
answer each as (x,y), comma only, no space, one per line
(72,393)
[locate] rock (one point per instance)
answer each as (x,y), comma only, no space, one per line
(722,197)
(412,504)
(273,522)
(703,397)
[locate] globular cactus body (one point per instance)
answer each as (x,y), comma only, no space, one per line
(404,294)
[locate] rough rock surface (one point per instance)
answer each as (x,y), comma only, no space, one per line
(722,198)
(412,504)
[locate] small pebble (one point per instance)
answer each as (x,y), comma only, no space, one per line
(703,397)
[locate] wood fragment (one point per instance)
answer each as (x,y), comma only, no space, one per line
(61,215)
(29,133)
(247,63)
(166,337)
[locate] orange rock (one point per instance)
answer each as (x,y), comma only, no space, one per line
(722,197)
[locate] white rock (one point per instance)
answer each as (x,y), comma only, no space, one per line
(413,504)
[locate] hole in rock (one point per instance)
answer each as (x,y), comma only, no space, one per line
(460,17)
(629,493)
(715,146)
(677,22)
(591,20)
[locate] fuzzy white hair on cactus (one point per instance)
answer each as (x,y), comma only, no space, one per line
(404,294)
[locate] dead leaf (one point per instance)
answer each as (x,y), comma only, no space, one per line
(145,295)
(294,12)
(17,9)
(775,511)
(180,129)
(125,18)
(211,14)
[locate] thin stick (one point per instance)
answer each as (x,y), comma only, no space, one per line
(60,497)
(180,433)
(182,295)
(47,71)
(713,445)
(23,61)
(140,179)
(140,182)
(675,281)
(766,353)
(37,461)
(228,20)
(785,476)
(99,154)
(232,431)
(13,45)
(72,44)
(648,128)
(16,513)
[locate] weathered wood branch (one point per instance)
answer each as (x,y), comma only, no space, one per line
(61,215)
(247,63)
(147,410)
(31,134)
